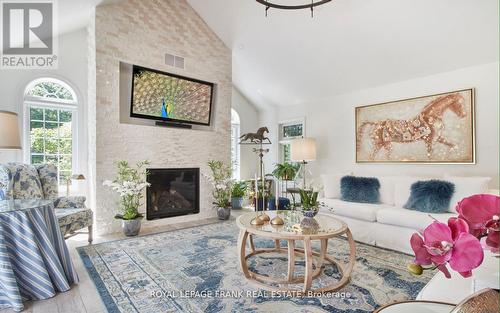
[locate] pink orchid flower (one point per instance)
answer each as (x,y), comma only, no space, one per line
(442,244)
(482,213)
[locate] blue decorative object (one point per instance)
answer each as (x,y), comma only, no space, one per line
(431,196)
(202,259)
(309,213)
(283,204)
(260,204)
(360,189)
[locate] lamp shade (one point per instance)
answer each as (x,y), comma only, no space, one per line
(303,149)
(9,131)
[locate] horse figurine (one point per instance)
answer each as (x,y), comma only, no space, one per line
(258,137)
(427,126)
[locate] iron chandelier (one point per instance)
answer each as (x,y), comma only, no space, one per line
(311,6)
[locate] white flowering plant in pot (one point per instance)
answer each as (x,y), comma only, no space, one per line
(222,184)
(129,183)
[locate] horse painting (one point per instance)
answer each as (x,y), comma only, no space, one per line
(427,127)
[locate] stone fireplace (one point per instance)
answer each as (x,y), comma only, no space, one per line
(113,135)
(173,192)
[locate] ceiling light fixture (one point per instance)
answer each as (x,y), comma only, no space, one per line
(311,6)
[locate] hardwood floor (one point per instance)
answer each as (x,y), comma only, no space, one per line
(83,297)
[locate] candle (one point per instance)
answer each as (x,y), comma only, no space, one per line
(277,197)
(256,193)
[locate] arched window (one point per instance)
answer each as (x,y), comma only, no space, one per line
(50,112)
(235,147)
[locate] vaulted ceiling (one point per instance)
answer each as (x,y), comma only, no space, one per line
(290,58)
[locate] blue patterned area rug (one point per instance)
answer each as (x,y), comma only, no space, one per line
(197,270)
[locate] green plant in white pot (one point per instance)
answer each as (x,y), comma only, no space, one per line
(129,183)
(221,187)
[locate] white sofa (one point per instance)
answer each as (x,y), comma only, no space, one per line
(388,224)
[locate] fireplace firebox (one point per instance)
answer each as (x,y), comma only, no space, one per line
(173,192)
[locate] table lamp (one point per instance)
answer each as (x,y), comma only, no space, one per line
(303,150)
(9,131)
(73,177)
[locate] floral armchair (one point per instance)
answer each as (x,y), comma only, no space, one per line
(23,181)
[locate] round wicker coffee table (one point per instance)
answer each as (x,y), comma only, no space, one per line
(323,228)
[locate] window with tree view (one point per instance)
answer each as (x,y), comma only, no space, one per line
(292,131)
(51,110)
(288,131)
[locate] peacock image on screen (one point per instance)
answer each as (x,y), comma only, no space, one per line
(166,109)
(164,96)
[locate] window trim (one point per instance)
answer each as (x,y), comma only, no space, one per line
(236,144)
(288,140)
(51,103)
(37,81)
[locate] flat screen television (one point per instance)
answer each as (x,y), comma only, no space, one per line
(169,97)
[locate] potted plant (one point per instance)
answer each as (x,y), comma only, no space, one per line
(285,171)
(222,187)
(237,194)
(309,206)
(309,202)
(129,183)
(458,242)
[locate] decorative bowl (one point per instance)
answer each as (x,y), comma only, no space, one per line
(309,213)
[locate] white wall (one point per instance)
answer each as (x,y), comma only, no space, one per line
(72,69)
(249,122)
(331,122)
(269,118)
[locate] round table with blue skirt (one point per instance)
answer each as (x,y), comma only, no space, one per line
(34,260)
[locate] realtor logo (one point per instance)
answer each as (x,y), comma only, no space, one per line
(28,40)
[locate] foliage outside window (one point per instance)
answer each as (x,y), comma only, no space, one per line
(289,131)
(51,90)
(294,130)
(51,109)
(51,139)
(286,153)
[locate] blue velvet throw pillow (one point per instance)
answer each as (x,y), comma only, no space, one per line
(360,189)
(431,196)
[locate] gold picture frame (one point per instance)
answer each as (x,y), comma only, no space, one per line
(432,129)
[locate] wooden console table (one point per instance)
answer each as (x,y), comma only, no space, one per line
(327,227)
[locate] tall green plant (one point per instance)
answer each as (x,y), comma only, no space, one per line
(221,183)
(129,183)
